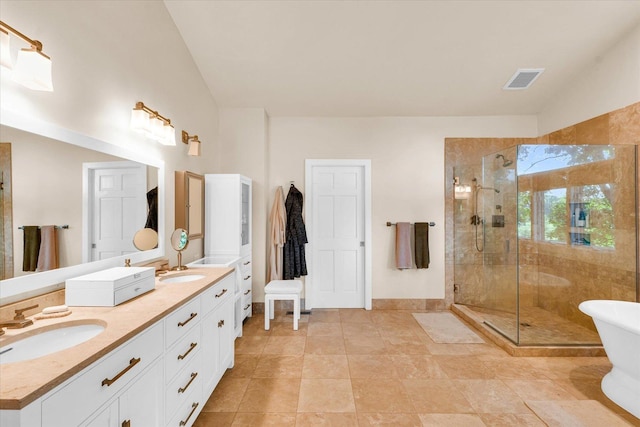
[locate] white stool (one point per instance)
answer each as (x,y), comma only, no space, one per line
(282,290)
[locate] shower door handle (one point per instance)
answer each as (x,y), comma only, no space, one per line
(506,246)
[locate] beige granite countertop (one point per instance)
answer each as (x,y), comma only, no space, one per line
(23,382)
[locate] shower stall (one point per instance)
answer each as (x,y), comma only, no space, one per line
(540,228)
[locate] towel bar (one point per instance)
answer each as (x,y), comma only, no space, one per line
(389,224)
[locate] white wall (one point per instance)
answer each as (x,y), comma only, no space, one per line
(407,157)
(107,56)
(610,83)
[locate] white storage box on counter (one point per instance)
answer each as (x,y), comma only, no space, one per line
(110,287)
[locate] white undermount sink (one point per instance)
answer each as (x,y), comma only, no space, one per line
(182,278)
(47,342)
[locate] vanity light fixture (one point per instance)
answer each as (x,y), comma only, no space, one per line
(152,124)
(194,143)
(32,68)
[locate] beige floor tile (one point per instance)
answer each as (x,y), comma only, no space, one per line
(381,395)
(360,330)
(404,345)
(324,315)
(417,366)
(325,345)
(539,390)
(264,420)
(391,420)
(451,420)
(214,419)
(575,368)
(491,396)
(227,395)
(512,420)
(440,396)
(286,329)
(400,330)
(251,344)
(285,345)
(371,366)
(278,366)
(512,368)
(587,413)
(244,366)
(450,349)
(326,395)
(324,419)
(325,366)
(365,345)
(271,395)
(355,315)
(327,329)
(464,367)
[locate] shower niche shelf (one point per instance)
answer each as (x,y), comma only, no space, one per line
(579,231)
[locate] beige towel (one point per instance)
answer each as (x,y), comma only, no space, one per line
(48,257)
(278,221)
(403,245)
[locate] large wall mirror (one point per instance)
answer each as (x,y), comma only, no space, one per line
(102,192)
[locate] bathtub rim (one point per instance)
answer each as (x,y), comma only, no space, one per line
(591,308)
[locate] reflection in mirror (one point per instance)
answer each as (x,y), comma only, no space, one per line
(179,242)
(45,166)
(145,239)
(48,178)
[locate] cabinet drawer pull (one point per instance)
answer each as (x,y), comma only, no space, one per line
(247,291)
(133,362)
(246,263)
(194,407)
(224,291)
(248,305)
(193,377)
(220,323)
(247,278)
(126,423)
(191,347)
(181,324)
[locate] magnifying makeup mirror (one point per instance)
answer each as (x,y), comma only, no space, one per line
(145,239)
(179,242)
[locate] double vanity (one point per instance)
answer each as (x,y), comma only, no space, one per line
(152,361)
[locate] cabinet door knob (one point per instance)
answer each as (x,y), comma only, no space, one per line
(126,423)
(221,323)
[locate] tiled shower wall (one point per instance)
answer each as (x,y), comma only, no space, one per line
(554,277)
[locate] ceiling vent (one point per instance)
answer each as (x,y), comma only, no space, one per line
(523,78)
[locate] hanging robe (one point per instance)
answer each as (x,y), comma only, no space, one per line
(294,264)
(278,222)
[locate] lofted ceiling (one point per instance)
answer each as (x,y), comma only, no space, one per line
(395,58)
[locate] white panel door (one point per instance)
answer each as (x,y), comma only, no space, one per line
(119,208)
(338,236)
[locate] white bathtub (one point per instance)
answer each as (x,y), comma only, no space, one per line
(618,324)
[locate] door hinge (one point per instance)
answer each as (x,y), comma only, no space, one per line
(362,244)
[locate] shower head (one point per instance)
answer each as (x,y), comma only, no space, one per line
(505,162)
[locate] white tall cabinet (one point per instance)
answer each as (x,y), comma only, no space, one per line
(228,232)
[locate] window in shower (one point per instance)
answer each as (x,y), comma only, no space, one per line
(555,215)
(524,214)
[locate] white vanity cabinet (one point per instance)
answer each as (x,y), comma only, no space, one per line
(246,287)
(162,376)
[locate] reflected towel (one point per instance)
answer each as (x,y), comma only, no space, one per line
(421,230)
(31,247)
(403,245)
(48,257)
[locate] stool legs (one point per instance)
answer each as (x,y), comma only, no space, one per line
(269,308)
(268,303)
(296,312)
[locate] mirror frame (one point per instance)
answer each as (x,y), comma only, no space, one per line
(16,289)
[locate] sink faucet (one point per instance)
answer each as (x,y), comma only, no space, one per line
(19,321)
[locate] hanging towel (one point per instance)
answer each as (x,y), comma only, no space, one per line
(278,221)
(421,230)
(48,255)
(31,247)
(403,245)
(294,262)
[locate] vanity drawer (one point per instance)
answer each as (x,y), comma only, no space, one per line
(245,266)
(187,412)
(181,321)
(246,306)
(91,388)
(182,353)
(212,297)
(179,389)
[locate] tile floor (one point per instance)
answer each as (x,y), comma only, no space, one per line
(365,368)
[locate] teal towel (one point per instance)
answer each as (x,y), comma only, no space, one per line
(31,247)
